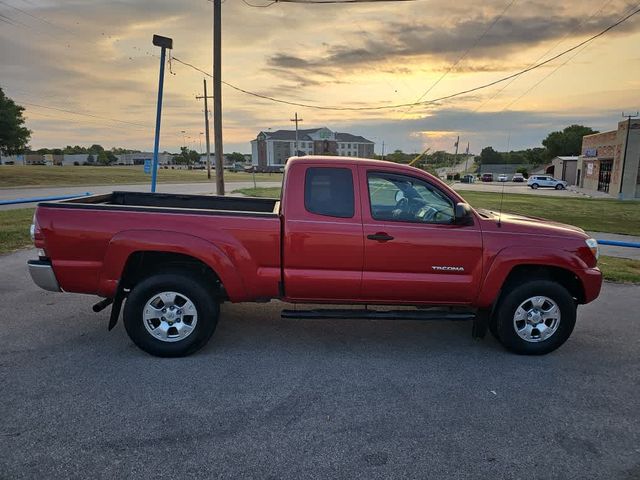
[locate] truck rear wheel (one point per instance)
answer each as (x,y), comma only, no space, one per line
(171,314)
(535,318)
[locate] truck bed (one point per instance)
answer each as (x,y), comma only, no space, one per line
(141,201)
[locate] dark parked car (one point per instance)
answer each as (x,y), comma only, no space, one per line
(487,177)
(468,178)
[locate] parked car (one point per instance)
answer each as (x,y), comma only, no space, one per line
(536,181)
(344,232)
(503,177)
(236,167)
(487,177)
(468,178)
(518,178)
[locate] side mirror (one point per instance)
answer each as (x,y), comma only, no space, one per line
(463,214)
(399,195)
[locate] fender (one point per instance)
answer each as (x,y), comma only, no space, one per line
(506,259)
(127,242)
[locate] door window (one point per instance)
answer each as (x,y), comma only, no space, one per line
(407,199)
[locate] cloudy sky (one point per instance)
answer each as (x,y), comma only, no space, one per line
(95,58)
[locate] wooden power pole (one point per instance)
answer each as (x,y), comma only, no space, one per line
(206,127)
(296,120)
(217,95)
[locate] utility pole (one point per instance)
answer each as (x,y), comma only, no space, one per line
(206,127)
(382,156)
(626,146)
(455,156)
(163,43)
(217,94)
(296,120)
(466,160)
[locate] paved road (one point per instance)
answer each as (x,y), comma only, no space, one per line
(193,188)
(269,398)
(510,187)
(622,252)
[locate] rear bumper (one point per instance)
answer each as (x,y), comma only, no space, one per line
(42,275)
(592,283)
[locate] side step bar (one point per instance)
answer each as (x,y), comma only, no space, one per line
(344,314)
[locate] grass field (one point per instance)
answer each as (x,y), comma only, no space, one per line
(14,229)
(23,176)
(598,215)
(621,270)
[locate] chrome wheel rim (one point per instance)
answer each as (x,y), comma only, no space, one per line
(170,316)
(536,319)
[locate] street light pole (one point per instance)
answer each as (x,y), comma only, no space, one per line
(163,43)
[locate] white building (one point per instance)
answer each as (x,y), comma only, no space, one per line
(274,148)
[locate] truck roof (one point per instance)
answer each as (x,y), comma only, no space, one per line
(353,161)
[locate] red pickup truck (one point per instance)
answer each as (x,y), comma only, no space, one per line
(345,231)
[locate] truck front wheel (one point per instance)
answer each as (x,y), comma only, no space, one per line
(170,314)
(535,318)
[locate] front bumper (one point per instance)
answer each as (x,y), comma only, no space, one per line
(42,275)
(592,283)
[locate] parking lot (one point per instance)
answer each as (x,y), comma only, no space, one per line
(511,187)
(269,398)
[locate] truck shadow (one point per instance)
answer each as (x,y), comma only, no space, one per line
(259,326)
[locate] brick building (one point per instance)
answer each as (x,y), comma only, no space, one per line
(274,148)
(610,161)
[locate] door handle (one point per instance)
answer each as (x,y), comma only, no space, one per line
(380,237)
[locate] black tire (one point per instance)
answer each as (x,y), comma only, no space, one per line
(534,186)
(195,288)
(559,187)
(509,303)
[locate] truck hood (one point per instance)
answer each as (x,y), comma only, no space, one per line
(534,225)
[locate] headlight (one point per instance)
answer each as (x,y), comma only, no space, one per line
(592,243)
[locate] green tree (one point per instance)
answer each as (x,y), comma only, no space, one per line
(235,157)
(488,155)
(96,149)
(187,157)
(566,142)
(14,136)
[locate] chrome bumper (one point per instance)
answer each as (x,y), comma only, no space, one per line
(42,275)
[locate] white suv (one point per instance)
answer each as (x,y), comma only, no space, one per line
(536,181)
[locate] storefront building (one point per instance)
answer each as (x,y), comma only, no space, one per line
(610,161)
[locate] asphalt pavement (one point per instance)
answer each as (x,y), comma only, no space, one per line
(295,399)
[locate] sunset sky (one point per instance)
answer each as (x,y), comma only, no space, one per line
(96,58)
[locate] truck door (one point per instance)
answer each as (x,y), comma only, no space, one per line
(323,243)
(414,253)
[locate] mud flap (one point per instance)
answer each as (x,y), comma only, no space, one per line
(480,323)
(117,306)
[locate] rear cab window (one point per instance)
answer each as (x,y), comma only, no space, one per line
(329,191)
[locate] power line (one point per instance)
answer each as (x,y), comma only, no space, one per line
(464,55)
(535,85)
(500,90)
(31,104)
(320,2)
(425,102)
(257,6)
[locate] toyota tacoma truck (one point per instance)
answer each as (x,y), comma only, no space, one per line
(354,232)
